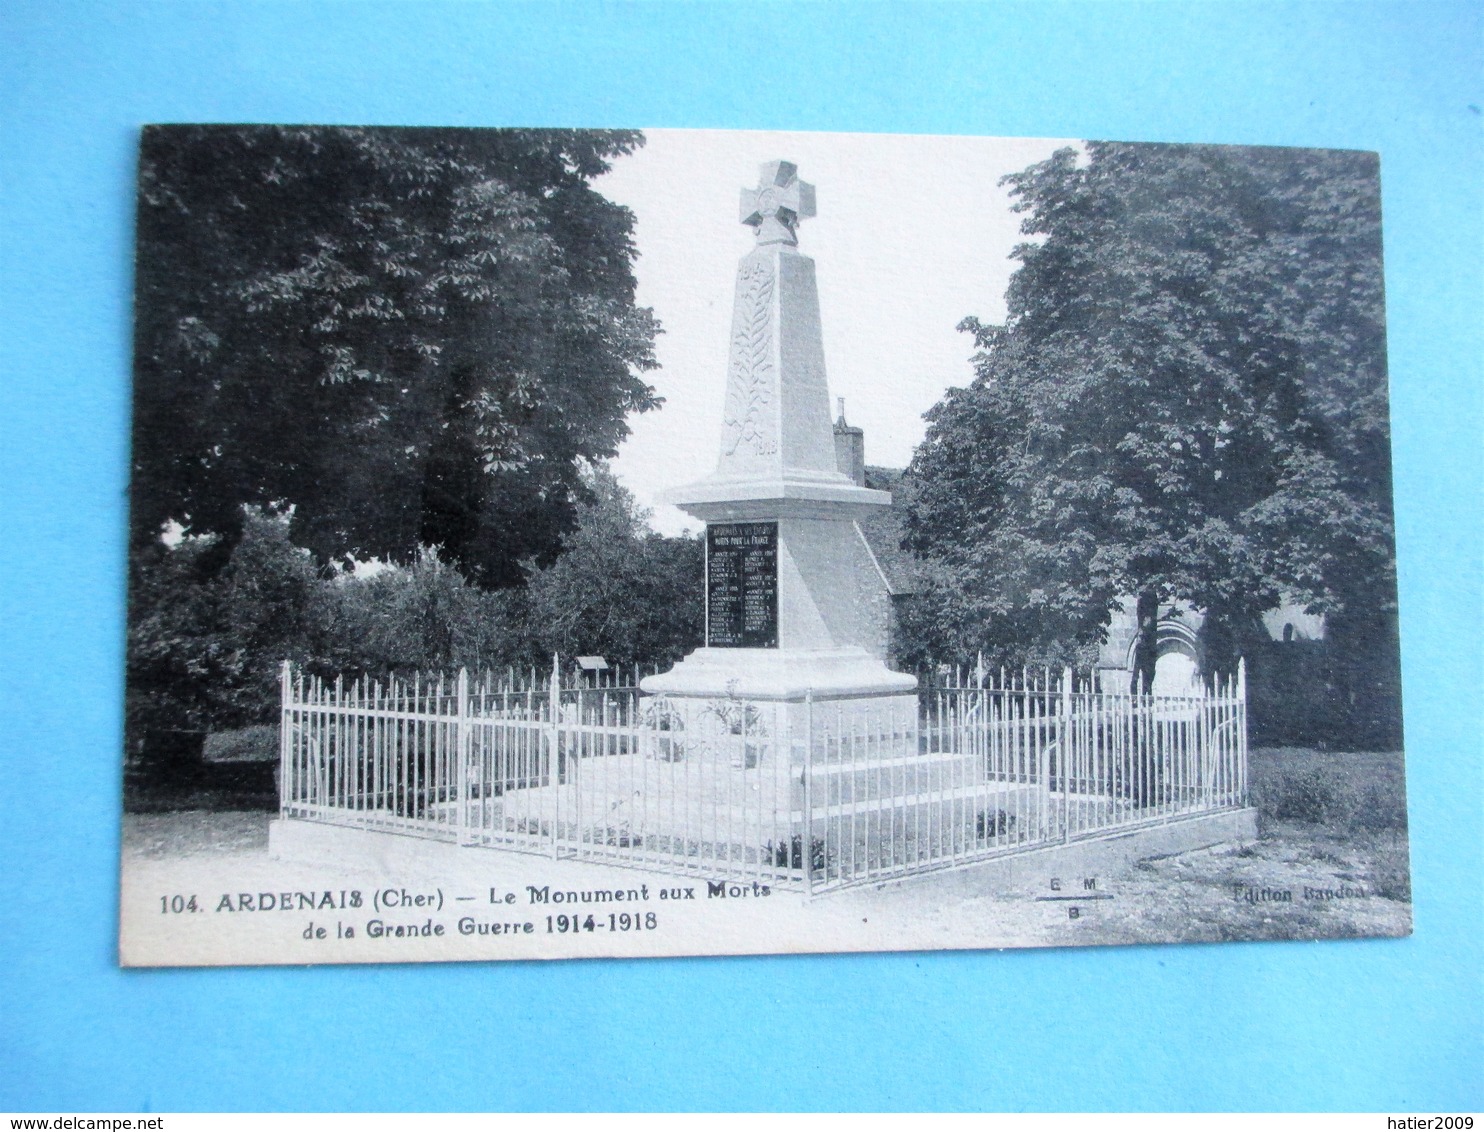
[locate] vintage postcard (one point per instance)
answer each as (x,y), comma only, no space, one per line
(570,543)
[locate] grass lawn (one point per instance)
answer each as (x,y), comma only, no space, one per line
(1327,821)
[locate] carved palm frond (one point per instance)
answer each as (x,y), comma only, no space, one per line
(750,390)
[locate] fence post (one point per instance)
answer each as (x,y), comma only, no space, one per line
(1211,755)
(285,730)
(554,774)
(461,752)
(1242,729)
(1032,749)
(979,735)
(806,847)
(1064,751)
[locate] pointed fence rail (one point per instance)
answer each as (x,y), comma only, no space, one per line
(808,795)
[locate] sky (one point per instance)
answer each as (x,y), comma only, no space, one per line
(913,234)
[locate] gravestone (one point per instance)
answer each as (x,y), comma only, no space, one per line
(796,604)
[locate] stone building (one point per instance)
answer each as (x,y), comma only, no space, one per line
(1179,648)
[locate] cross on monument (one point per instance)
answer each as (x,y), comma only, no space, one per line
(778,203)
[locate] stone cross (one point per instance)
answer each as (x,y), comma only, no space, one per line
(778,203)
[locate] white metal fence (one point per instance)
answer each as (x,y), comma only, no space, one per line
(809,795)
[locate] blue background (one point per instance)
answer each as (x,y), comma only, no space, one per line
(1391,1024)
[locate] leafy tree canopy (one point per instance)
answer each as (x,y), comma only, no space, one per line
(618,590)
(404,338)
(1187,399)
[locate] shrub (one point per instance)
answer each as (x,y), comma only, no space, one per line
(246,744)
(791,856)
(1345,790)
(1380,806)
(1305,796)
(989,824)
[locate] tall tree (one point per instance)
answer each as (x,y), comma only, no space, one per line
(405,337)
(1187,400)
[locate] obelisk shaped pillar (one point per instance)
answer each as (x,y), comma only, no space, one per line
(776,414)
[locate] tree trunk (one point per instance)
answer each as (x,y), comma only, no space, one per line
(1146,650)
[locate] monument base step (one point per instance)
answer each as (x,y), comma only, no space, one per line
(780,674)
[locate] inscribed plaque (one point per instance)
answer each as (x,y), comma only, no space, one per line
(742,585)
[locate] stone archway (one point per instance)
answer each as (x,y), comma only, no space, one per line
(1175,674)
(1179,658)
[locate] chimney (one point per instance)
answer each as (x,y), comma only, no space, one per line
(850,448)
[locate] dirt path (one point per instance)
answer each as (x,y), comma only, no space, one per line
(1296,882)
